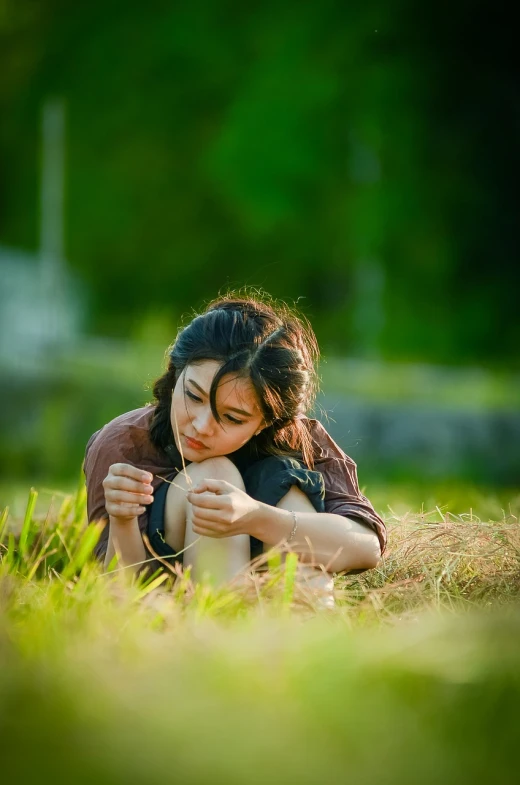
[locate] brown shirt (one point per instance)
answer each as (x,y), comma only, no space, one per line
(126,439)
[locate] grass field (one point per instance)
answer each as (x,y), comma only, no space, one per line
(412,677)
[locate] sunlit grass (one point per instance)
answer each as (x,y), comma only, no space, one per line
(412,677)
(435,558)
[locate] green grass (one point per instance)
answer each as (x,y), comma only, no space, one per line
(476,389)
(412,677)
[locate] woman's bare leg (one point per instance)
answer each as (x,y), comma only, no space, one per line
(220,558)
(315,578)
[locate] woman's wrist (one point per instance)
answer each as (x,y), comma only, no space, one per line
(122,522)
(271,524)
(125,538)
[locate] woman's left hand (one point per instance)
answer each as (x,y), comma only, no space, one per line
(221,509)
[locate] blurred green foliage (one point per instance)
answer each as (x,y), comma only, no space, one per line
(294,147)
(46,422)
(115,688)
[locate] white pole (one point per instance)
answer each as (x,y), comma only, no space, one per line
(51,210)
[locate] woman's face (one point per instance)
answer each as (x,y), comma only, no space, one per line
(193,423)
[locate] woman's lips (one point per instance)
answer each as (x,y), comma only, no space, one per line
(194,444)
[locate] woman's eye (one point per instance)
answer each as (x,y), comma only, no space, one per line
(199,400)
(235,422)
(193,397)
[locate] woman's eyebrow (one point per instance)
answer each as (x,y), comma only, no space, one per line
(230,408)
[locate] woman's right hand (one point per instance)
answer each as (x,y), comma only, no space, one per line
(127,490)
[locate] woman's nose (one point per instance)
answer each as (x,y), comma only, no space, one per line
(204,422)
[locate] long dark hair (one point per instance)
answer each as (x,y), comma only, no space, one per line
(259,339)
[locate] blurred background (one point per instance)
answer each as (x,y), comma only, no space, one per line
(356,159)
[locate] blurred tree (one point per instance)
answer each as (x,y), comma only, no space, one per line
(281,145)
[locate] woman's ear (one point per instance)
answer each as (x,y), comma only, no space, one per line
(262,428)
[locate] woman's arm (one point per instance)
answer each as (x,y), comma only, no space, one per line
(125,538)
(338,543)
(334,541)
(342,494)
(127,490)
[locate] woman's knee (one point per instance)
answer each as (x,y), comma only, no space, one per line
(295,499)
(217,468)
(177,507)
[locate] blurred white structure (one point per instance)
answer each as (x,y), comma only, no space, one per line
(39,303)
(37,315)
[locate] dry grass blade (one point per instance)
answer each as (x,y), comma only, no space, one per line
(466,562)
(188,478)
(156,555)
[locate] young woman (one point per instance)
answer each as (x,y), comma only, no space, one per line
(225,463)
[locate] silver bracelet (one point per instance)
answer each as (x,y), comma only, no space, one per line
(293,530)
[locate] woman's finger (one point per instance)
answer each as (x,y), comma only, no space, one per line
(127,470)
(208,500)
(125,510)
(123,497)
(209,520)
(207,516)
(204,531)
(126,484)
(214,486)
